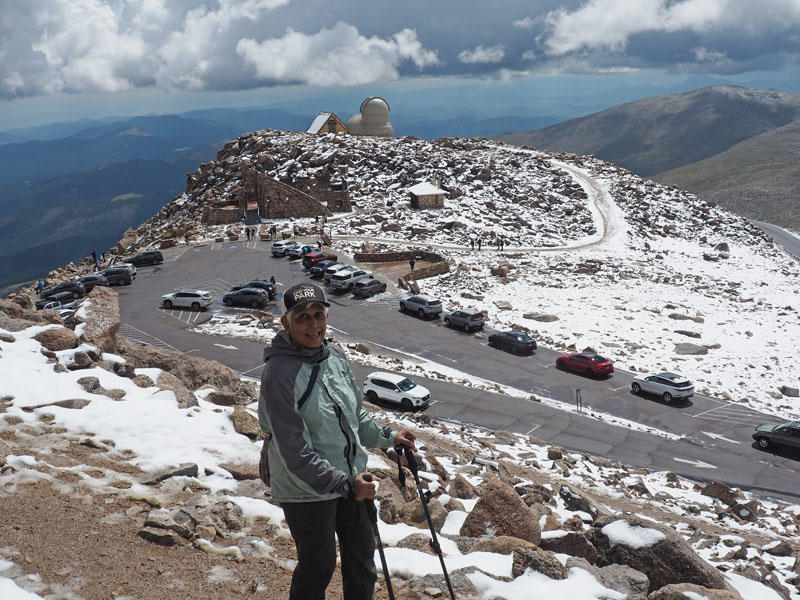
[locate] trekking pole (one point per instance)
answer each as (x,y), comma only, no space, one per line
(373,516)
(424,497)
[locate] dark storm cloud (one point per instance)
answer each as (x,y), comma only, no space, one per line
(52,46)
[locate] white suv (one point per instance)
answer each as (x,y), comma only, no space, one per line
(282,247)
(396,389)
(334,269)
(345,279)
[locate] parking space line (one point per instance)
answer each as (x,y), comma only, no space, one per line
(532,430)
(130,332)
(174,258)
(622,387)
(250,370)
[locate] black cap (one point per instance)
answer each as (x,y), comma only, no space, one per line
(303,293)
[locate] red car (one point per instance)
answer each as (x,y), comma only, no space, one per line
(314,257)
(586,363)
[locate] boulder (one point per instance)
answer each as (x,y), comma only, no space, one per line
(719,490)
(245,423)
(576,501)
(80,360)
(168,381)
(502,544)
(539,560)
(417,541)
(790,391)
(193,371)
(572,543)
(414,514)
(57,338)
(543,317)
(391,500)
(461,488)
(659,552)
(682,591)
(778,548)
(690,349)
(23,300)
(500,511)
(182,470)
(100,312)
(631,583)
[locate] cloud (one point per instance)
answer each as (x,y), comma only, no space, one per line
(482,55)
(336,56)
(526,23)
(703,54)
(610,24)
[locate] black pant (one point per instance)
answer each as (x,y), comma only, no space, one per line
(313,525)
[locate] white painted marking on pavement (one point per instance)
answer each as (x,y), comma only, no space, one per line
(695,463)
(717,436)
(226,347)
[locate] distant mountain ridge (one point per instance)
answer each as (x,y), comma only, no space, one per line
(666,137)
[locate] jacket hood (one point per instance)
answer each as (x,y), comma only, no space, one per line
(284,345)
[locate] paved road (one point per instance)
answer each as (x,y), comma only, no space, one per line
(790,242)
(718,442)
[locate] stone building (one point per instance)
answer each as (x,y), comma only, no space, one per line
(425,195)
(327,122)
(372,118)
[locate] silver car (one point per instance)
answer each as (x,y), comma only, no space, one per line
(282,247)
(194,299)
(468,319)
(336,268)
(422,305)
(670,386)
(346,278)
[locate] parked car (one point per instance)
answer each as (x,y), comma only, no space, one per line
(261,284)
(587,363)
(345,279)
(517,342)
(282,247)
(422,305)
(319,268)
(146,257)
(309,260)
(335,268)
(468,319)
(396,389)
(300,251)
(246,296)
(116,275)
(90,281)
(194,299)
(670,386)
(126,265)
(769,435)
(57,301)
(75,288)
(368,287)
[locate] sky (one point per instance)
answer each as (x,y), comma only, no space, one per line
(94,57)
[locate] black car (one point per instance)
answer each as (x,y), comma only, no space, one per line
(90,281)
(146,257)
(517,342)
(782,434)
(368,287)
(56,301)
(261,284)
(76,288)
(318,269)
(117,275)
(247,296)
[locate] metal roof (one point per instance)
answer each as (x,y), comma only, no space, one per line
(318,122)
(425,189)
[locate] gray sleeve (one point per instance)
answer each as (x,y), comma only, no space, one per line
(277,395)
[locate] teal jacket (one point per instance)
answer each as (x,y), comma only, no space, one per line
(315,451)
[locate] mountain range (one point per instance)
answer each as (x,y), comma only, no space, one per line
(732,145)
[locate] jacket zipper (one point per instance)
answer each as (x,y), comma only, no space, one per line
(347,449)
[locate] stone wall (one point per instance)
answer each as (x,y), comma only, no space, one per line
(431,201)
(277,200)
(439,266)
(222,216)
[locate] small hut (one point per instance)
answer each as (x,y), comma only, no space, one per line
(327,122)
(425,195)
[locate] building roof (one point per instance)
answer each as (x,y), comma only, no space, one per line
(318,122)
(425,189)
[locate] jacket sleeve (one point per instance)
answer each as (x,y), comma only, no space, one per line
(277,397)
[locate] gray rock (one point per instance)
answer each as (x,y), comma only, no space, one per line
(90,384)
(539,560)
(573,543)
(184,470)
(682,591)
(792,392)
(174,519)
(160,537)
(575,501)
(687,333)
(80,360)
(691,349)
(246,424)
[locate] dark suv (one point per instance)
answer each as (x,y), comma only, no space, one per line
(90,281)
(146,257)
(260,284)
(56,301)
(76,288)
(248,296)
(117,275)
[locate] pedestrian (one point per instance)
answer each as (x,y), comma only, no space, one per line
(39,287)
(94,257)
(472,243)
(247,233)
(412,262)
(316,455)
(272,279)
(480,241)
(501,242)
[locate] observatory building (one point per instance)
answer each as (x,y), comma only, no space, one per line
(372,118)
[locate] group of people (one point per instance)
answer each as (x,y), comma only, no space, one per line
(250,233)
(500,242)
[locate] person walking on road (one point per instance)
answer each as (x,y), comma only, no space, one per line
(317,432)
(480,241)
(472,243)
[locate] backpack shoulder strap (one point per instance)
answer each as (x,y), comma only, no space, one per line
(311,381)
